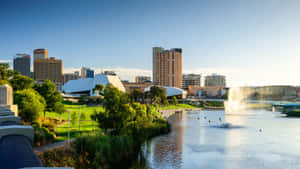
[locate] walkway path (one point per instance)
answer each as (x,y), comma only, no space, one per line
(52,146)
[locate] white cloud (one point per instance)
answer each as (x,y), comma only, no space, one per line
(5,61)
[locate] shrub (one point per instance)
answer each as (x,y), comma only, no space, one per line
(43,136)
(30,104)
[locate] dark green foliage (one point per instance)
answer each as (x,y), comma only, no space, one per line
(30,104)
(174,100)
(48,91)
(42,135)
(59,108)
(82,100)
(74,118)
(99,88)
(214,104)
(105,152)
(59,157)
(158,95)
(20,82)
(136,96)
(5,72)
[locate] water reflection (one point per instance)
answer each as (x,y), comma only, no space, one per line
(262,141)
(166,151)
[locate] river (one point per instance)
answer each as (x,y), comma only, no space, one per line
(257,139)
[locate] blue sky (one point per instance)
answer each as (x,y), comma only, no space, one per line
(253,42)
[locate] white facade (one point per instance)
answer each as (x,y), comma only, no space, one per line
(171,91)
(88,84)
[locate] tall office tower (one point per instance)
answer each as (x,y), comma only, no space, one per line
(191,80)
(87,73)
(142,79)
(40,54)
(167,67)
(22,64)
(51,69)
(90,73)
(215,80)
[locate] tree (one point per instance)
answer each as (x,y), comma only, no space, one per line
(30,104)
(20,82)
(82,116)
(158,95)
(99,88)
(59,108)
(82,100)
(48,91)
(74,118)
(5,72)
(136,96)
(174,100)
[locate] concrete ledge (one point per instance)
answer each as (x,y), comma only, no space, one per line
(10,118)
(7,113)
(13,108)
(17,130)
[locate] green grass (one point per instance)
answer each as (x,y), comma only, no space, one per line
(178,106)
(85,126)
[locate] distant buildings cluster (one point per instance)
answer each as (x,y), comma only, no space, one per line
(167,72)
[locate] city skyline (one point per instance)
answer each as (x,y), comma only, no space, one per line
(226,38)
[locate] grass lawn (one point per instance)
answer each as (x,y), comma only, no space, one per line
(85,126)
(178,106)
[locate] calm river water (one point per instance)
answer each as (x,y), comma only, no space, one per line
(256,140)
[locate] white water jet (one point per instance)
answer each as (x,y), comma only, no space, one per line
(237,100)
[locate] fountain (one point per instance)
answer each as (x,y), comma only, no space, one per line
(236,100)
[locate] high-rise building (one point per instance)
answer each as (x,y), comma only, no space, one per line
(22,64)
(87,73)
(90,73)
(142,79)
(215,80)
(83,72)
(40,54)
(167,67)
(191,80)
(49,69)
(70,76)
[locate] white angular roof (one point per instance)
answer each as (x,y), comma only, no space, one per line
(88,84)
(171,91)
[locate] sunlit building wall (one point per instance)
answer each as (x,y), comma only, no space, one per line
(167,67)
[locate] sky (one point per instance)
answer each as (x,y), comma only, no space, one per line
(252,42)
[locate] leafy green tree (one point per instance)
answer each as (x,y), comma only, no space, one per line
(82,100)
(74,118)
(5,72)
(117,108)
(136,96)
(174,100)
(99,88)
(82,116)
(30,104)
(20,82)
(59,108)
(158,95)
(48,91)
